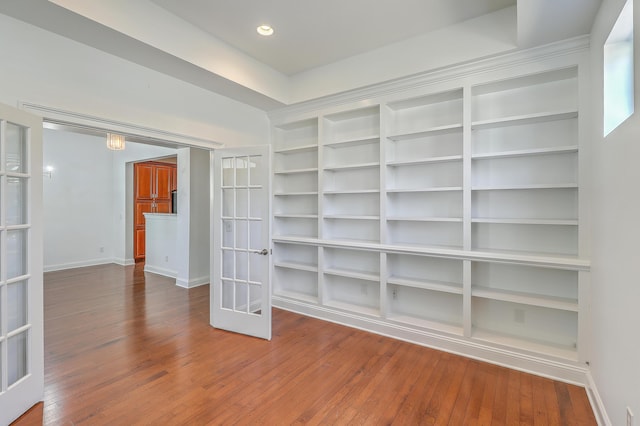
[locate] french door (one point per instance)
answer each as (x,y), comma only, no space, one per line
(240,282)
(21,301)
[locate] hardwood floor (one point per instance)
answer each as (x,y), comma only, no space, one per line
(122,348)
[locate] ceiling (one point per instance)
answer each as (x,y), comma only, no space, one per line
(319,48)
(309,34)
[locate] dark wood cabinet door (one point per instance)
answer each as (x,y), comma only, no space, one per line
(142,207)
(143,177)
(139,244)
(163,207)
(163,182)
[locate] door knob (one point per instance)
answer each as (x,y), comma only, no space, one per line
(262,252)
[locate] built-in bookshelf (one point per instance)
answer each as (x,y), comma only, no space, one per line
(453,212)
(351,175)
(295,181)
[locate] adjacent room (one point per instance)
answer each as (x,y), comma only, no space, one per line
(410,212)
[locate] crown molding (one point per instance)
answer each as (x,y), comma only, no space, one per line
(366,96)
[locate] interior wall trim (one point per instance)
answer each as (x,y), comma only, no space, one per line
(160,271)
(133,132)
(124,262)
(562,371)
(597,404)
(81,264)
(193,282)
(501,61)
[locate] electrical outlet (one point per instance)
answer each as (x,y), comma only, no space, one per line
(629,417)
(101,249)
(518,316)
(166,258)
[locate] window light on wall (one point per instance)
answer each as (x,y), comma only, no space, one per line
(618,71)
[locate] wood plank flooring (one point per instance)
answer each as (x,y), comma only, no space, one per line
(122,349)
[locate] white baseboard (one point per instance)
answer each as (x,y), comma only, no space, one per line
(529,363)
(596,402)
(124,262)
(80,264)
(194,282)
(160,271)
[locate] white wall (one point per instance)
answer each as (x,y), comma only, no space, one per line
(160,248)
(199,244)
(615,346)
(193,217)
(50,70)
(85,199)
(78,199)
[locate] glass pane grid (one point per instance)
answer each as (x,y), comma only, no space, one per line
(17,309)
(14,240)
(15,148)
(17,350)
(239,292)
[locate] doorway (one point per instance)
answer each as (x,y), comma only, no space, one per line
(155,185)
(86,207)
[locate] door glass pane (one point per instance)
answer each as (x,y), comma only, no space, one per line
(255,267)
(16,201)
(255,169)
(227,233)
(241,266)
(242,202)
(16,149)
(255,206)
(227,264)
(255,235)
(242,234)
(227,203)
(241,297)
(17,357)
(227,172)
(242,171)
(255,298)
(16,253)
(227,294)
(17,305)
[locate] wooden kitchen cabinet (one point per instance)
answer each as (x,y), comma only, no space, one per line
(153,183)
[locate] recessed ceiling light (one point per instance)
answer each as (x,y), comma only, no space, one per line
(264,30)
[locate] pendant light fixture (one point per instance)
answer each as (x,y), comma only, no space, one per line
(115,142)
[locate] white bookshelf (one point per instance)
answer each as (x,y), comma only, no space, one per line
(453,211)
(425,308)
(524,172)
(295,185)
(295,271)
(351,175)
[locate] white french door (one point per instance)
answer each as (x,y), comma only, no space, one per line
(240,280)
(21,301)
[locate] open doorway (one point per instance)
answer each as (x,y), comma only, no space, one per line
(89,203)
(85,198)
